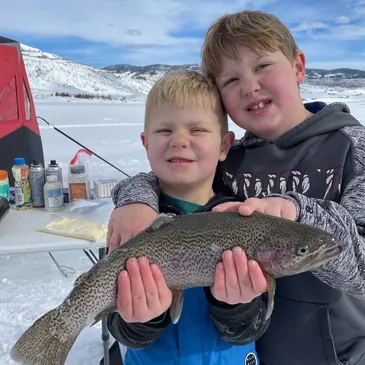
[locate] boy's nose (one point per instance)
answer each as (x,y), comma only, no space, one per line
(179,142)
(250,86)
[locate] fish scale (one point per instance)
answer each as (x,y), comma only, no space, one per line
(187,249)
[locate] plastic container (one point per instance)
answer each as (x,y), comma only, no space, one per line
(21,184)
(53,194)
(4,184)
(78,183)
(103,188)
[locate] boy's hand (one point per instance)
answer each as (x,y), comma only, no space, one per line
(278,207)
(126,222)
(142,291)
(238,280)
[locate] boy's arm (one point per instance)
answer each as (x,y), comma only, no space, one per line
(141,188)
(238,324)
(345,221)
(137,335)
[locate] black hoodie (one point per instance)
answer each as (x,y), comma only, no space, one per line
(319,316)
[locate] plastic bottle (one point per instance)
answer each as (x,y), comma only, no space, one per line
(37,180)
(53,195)
(78,183)
(4,184)
(21,184)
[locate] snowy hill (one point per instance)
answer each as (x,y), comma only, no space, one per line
(50,74)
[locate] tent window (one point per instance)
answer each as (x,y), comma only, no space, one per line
(9,102)
(28,109)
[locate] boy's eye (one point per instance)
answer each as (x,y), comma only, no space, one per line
(163,131)
(261,67)
(197,130)
(229,81)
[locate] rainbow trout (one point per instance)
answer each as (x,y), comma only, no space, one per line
(187,249)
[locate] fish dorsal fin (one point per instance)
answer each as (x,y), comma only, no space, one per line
(81,278)
(162,220)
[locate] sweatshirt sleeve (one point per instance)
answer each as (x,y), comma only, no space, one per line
(345,221)
(238,324)
(137,335)
(141,188)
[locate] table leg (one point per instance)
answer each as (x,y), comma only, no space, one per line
(104,327)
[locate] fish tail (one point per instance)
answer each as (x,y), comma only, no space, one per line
(42,343)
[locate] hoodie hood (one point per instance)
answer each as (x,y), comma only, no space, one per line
(325,119)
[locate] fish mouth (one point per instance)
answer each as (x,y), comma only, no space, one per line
(327,255)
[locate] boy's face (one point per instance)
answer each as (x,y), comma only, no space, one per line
(261,93)
(184,146)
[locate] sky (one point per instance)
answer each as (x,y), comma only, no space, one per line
(100,33)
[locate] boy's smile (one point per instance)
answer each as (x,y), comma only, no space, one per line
(259,106)
(260,91)
(183,147)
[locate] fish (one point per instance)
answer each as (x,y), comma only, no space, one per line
(187,249)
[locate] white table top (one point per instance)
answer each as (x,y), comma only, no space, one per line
(18,234)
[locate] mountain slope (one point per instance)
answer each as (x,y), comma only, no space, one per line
(50,73)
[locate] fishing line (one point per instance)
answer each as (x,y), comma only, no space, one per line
(81,145)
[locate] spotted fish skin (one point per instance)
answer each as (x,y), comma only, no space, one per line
(187,249)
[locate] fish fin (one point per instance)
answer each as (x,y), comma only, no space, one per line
(271,287)
(42,344)
(81,278)
(162,220)
(103,313)
(176,305)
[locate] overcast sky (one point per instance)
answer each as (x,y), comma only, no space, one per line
(142,32)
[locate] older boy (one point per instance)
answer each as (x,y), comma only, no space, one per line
(303,162)
(185,135)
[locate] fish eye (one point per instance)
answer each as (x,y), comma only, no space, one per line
(302,250)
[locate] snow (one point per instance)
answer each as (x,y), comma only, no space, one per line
(30,284)
(49,73)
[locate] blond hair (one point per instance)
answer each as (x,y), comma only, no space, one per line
(186,90)
(259,31)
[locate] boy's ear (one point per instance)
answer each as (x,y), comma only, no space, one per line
(144,141)
(299,65)
(227,142)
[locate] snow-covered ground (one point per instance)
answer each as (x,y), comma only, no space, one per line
(30,284)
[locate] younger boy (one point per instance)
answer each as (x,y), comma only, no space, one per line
(303,162)
(185,135)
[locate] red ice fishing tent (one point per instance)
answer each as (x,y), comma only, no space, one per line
(19,132)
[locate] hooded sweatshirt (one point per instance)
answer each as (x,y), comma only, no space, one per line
(319,316)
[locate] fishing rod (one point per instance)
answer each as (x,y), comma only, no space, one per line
(81,145)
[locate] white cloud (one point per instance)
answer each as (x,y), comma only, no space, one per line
(347,32)
(117,22)
(308,26)
(343,20)
(360,11)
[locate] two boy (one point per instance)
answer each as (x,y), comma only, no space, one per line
(305,162)
(185,136)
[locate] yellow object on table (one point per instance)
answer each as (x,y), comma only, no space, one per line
(75,227)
